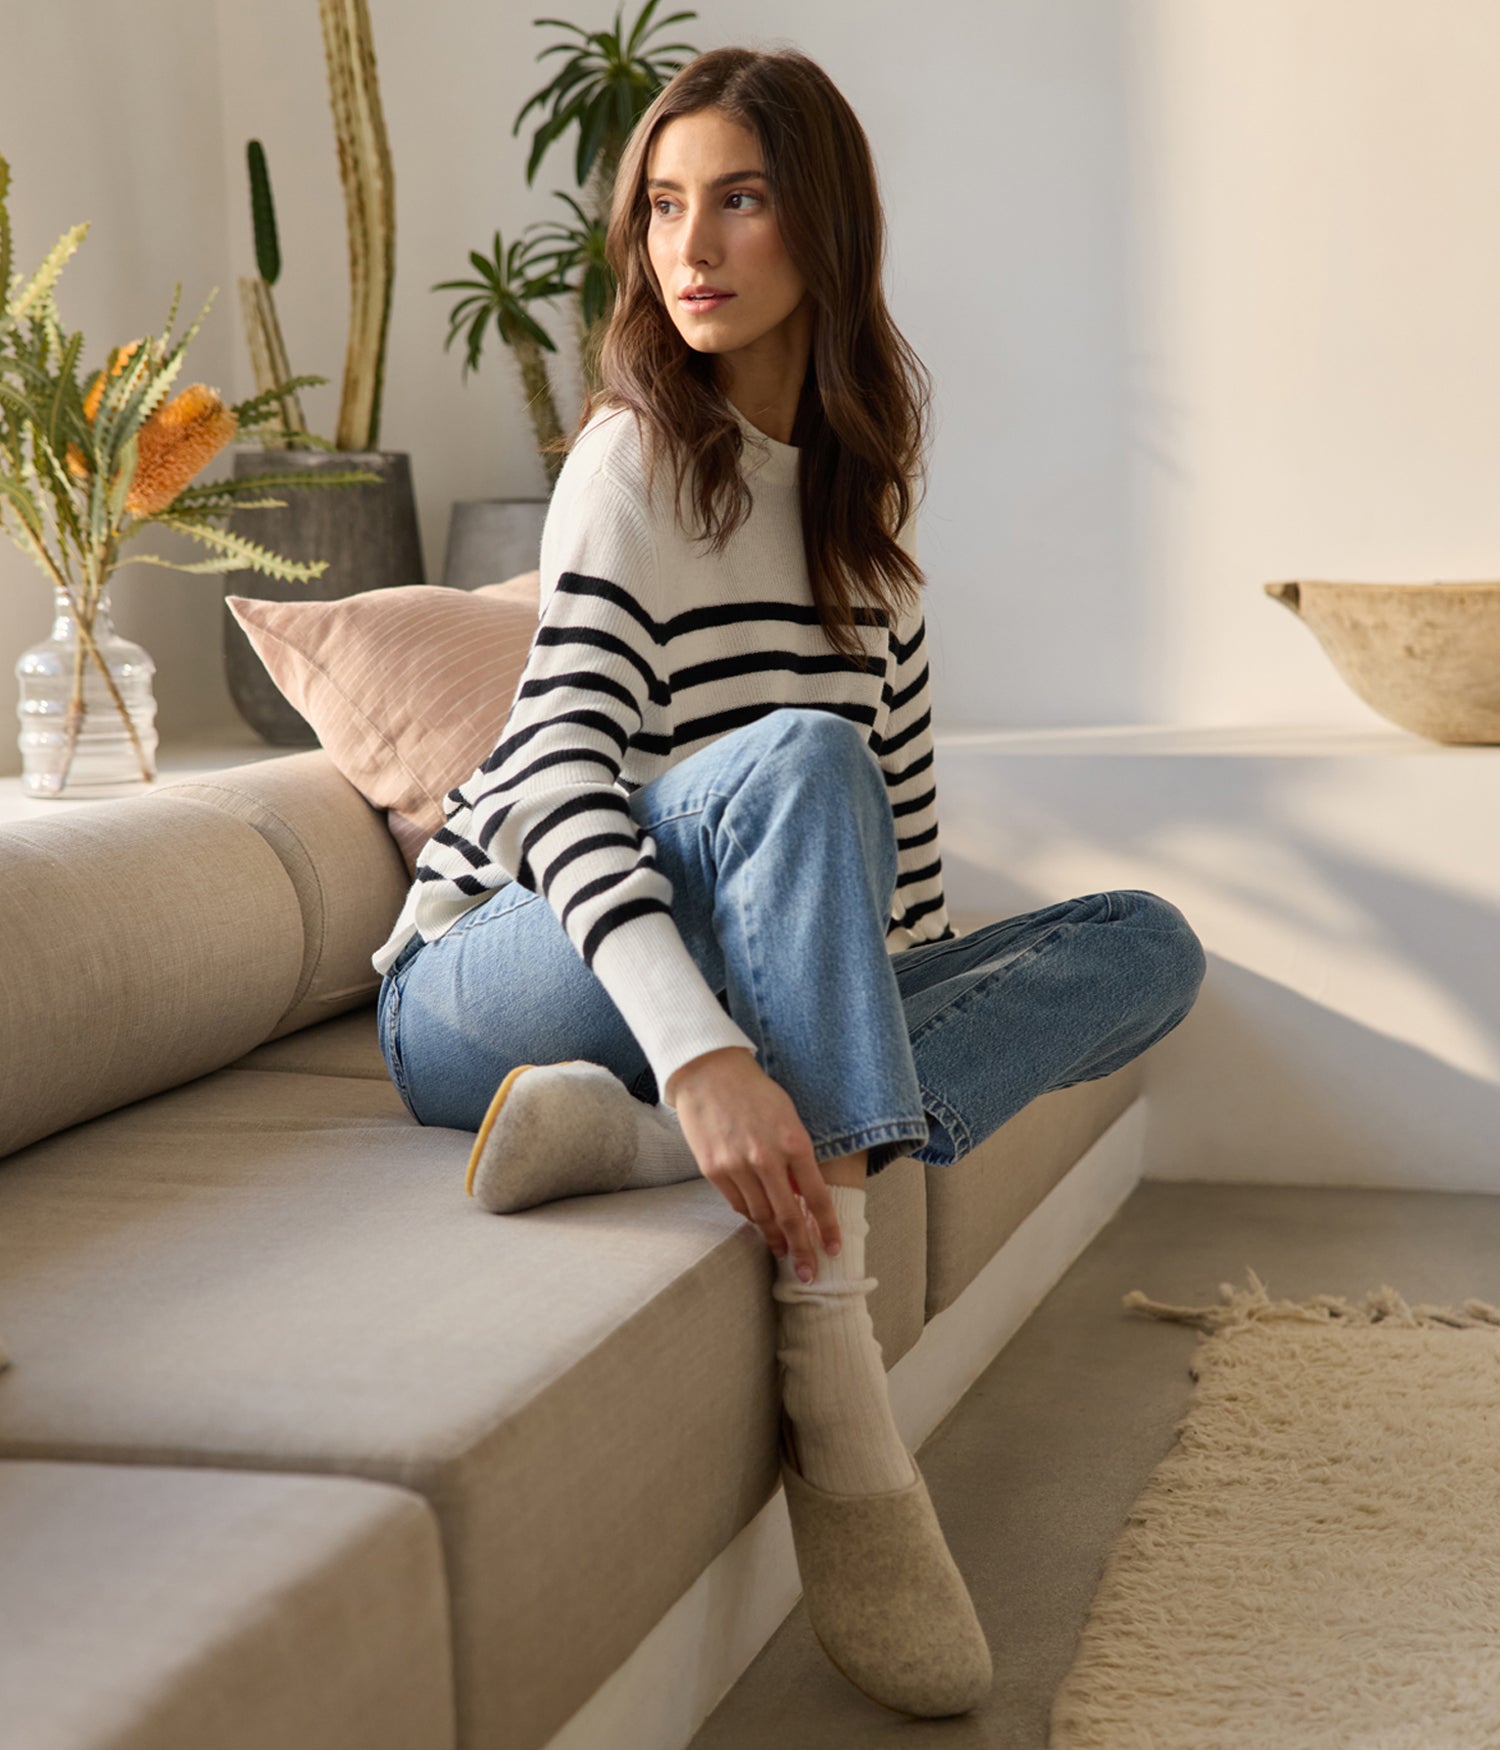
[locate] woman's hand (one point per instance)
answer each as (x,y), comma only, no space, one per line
(751,1146)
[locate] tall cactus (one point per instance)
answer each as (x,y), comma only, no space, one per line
(370,209)
(258,306)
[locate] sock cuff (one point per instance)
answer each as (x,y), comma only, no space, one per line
(847,1269)
(849,1204)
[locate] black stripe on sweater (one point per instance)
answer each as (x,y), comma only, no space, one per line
(622,914)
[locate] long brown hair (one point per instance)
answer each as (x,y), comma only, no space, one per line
(861,421)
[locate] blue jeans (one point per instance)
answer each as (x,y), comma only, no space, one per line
(780,845)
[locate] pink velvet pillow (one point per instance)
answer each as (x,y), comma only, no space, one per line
(407,688)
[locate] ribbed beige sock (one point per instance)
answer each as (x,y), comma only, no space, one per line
(834,1387)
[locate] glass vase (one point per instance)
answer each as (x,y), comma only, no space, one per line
(85,749)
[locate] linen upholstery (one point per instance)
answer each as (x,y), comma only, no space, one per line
(347,873)
(158,1609)
(407,688)
(974,1206)
(146,943)
(346,1046)
(276,1269)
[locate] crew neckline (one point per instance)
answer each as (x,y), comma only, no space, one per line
(775,462)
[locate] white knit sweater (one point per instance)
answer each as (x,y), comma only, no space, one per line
(648,648)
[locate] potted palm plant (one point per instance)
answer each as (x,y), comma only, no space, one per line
(606,82)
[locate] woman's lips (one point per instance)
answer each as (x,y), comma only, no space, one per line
(704,304)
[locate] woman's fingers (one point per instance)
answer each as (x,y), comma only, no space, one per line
(819,1203)
(787,1212)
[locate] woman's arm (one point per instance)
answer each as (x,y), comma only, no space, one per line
(546,805)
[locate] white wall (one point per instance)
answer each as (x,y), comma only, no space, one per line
(110,115)
(1345,884)
(1206,292)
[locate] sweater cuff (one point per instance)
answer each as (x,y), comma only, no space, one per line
(667,1003)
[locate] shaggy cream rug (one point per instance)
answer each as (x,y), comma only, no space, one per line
(1316,1563)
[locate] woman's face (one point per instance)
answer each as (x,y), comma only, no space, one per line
(712,224)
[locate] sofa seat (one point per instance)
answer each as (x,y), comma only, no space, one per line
(273,1268)
(974,1206)
(152,1609)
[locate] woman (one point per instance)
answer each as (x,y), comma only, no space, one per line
(688,917)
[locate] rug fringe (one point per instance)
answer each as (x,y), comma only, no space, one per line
(1250,1306)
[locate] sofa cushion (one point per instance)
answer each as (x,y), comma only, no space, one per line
(974,1206)
(146,943)
(161,1609)
(276,1269)
(345,1046)
(344,867)
(407,689)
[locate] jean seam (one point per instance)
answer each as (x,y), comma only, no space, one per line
(926,948)
(952,1122)
(769,1066)
(393,1049)
(459,928)
(684,809)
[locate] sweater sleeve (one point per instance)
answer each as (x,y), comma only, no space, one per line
(548,806)
(906,756)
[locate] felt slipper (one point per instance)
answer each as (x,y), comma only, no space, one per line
(553,1130)
(886,1601)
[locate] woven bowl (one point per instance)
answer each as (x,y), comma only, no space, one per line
(1426,656)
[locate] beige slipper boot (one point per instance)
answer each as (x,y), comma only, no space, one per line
(553,1130)
(884,1596)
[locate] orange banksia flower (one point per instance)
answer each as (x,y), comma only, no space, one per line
(177,442)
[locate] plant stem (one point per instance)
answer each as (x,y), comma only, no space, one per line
(76,710)
(87,636)
(84,625)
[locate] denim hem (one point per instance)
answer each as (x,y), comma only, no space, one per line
(852,1141)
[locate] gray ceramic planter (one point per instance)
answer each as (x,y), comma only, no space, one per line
(368,535)
(492,539)
(1426,656)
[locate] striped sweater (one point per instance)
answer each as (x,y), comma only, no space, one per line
(648,647)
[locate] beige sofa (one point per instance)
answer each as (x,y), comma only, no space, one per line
(298,1446)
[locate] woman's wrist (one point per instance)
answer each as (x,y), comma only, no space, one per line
(686,1073)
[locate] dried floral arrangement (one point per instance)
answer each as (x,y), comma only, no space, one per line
(103,459)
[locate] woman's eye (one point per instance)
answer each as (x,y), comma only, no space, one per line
(740,194)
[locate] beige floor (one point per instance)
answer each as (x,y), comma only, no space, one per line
(1034,1471)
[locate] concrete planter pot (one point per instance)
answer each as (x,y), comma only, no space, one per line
(492,539)
(368,535)
(1426,656)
